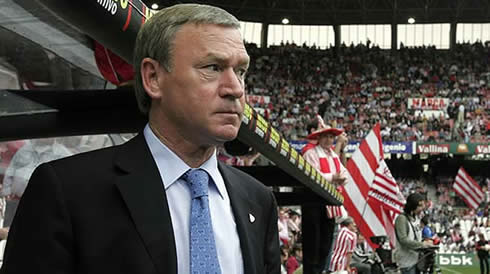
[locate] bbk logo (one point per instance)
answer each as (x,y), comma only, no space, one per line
(455,260)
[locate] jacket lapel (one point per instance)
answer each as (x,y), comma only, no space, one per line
(241,207)
(142,190)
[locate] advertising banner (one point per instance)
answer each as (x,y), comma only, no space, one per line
(416,147)
(388,147)
(464,260)
(297,145)
(453,148)
(398,147)
(433,148)
(428,103)
(482,148)
(261,99)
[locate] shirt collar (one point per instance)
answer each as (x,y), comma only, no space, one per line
(171,167)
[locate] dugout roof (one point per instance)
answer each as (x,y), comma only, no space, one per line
(345,12)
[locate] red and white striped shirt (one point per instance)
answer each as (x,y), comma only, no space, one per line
(345,243)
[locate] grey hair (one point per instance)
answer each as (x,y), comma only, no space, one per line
(155,38)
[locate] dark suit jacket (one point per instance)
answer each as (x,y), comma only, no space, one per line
(106,212)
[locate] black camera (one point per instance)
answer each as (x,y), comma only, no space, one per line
(379,240)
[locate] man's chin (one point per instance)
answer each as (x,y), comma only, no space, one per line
(227,134)
(226,138)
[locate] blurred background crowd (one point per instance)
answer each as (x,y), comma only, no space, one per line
(356,86)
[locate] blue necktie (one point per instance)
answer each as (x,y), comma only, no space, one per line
(203,255)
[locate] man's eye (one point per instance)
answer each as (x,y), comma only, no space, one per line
(213,67)
(241,72)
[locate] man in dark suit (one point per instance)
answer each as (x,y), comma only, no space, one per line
(127,209)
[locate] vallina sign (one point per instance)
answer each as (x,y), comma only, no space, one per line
(453,148)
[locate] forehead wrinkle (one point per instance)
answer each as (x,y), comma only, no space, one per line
(237,41)
(211,41)
(223,58)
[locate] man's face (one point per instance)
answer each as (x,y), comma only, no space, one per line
(299,254)
(360,239)
(283,215)
(352,227)
(203,96)
(326,140)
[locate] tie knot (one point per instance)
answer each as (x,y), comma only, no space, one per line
(198,182)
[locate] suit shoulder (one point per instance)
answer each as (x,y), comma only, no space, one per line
(90,158)
(250,180)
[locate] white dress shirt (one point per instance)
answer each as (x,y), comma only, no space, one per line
(171,168)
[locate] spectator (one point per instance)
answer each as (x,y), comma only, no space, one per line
(282,224)
(284,258)
(323,157)
(361,259)
(482,252)
(427,233)
(408,239)
(295,259)
(26,159)
(345,244)
(294,226)
(33,153)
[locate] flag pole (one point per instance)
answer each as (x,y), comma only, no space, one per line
(365,205)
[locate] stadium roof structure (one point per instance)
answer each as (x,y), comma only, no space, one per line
(350,12)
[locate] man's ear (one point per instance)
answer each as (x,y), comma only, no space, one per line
(150,73)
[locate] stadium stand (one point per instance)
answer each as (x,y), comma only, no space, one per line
(364,84)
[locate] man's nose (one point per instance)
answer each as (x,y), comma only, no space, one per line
(231,84)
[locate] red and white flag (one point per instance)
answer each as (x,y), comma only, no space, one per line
(334,211)
(371,195)
(386,195)
(468,189)
(386,190)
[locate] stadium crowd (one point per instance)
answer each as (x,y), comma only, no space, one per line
(455,226)
(357,86)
